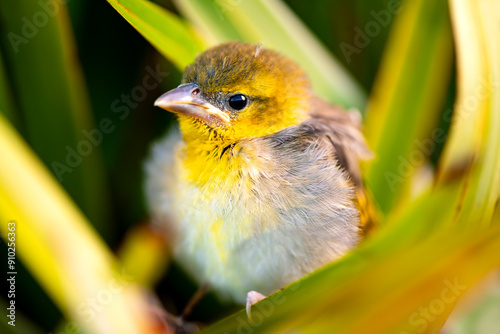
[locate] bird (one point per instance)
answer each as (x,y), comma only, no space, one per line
(260,182)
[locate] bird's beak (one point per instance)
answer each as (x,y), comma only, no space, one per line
(186,100)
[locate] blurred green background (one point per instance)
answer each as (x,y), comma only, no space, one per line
(100,76)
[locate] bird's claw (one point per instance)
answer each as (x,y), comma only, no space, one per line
(253,297)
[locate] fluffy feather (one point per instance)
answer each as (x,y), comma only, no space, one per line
(255,209)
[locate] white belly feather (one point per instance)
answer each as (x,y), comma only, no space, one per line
(238,242)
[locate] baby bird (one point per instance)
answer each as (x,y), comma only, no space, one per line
(261,185)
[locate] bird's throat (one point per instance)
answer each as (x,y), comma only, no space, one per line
(211,162)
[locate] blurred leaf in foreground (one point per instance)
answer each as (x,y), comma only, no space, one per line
(60,248)
(47,80)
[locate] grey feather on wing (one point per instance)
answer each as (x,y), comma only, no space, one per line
(344,133)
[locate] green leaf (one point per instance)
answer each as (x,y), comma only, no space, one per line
(276,26)
(208,17)
(474,141)
(60,248)
(407,98)
(47,80)
(168,33)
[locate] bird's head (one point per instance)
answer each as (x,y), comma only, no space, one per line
(238,90)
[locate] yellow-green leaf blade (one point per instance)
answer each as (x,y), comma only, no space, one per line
(474,141)
(58,245)
(209,18)
(407,97)
(47,80)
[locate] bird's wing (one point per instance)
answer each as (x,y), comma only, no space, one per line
(343,130)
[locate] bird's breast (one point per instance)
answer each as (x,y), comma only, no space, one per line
(253,216)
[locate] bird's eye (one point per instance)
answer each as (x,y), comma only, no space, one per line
(238,101)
